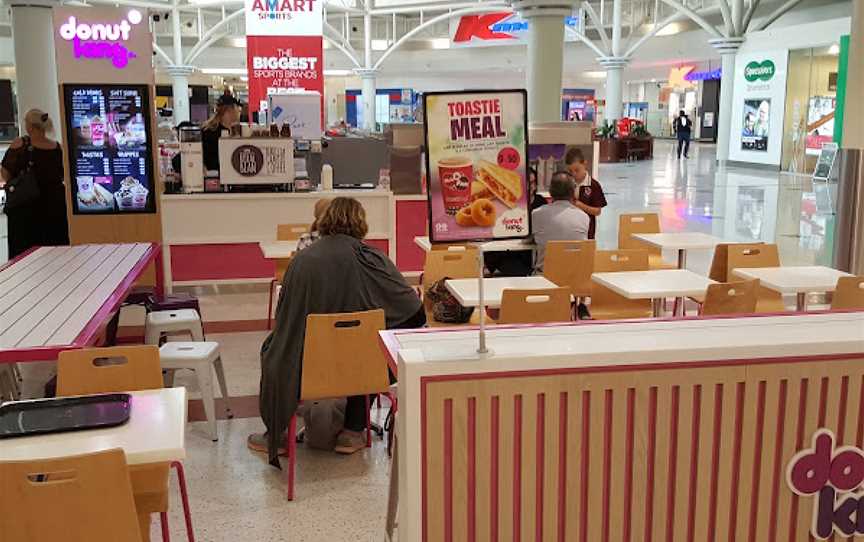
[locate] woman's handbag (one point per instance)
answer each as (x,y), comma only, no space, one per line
(445,307)
(23,190)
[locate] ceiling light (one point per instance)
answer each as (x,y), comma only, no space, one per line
(380,45)
(244,78)
(440,43)
(595,74)
(223,71)
(239,43)
(337,73)
(668,30)
(834,49)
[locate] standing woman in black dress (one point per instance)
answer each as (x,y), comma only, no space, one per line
(42,222)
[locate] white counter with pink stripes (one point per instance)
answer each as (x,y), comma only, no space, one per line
(662,430)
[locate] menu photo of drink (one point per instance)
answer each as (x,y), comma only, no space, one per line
(476,154)
(110,155)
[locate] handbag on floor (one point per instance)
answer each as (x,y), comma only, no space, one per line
(24,188)
(324,421)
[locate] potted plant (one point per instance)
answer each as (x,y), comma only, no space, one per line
(612,149)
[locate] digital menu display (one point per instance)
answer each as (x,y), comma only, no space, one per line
(110,154)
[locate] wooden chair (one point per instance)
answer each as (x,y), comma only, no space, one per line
(535,306)
(742,256)
(81,498)
(725,298)
(455,264)
(284,232)
(341,358)
(608,305)
(570,264)
(628,224)
(849,294)
(123,369)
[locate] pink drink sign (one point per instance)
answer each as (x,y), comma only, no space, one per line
(102,40)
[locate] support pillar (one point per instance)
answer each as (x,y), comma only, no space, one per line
(545,55)
(728,49)
(35,61)
(614,87)
(367,96)
(180,91)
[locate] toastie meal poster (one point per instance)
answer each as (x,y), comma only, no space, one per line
(476,152)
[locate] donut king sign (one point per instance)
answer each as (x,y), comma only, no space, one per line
(759,71)
(834,476)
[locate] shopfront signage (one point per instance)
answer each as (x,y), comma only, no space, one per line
(711,75)
(284,48)
(759,71)
(102,40)
(834,476)
(499,28)
(477,149)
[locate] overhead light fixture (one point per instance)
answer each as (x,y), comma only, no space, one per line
(595,74)
(668,30)
(380,45)
(224,71)
(337,73)
(834,49)
(244,78)
(441,43)
(239,43)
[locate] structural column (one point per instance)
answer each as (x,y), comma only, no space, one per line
(545,56)
(367,96)
(728,49)
(180,91)
(614,86)
(35,60)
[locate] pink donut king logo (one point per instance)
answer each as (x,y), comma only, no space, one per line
(834,476)
(102,40)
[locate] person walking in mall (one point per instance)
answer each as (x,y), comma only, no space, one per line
(33,167)
(683,127)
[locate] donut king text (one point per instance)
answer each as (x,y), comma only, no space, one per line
(833,476)
(475,119)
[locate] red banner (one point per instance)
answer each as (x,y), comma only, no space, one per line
(283,62)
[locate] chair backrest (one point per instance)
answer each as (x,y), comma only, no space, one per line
(108,370)
(342,356)
(631,223)
(849,294)
(291,232)
(731,298)
(570,264)
(606,304)
(75,499)
(535,306)
(741,256)
(459,264)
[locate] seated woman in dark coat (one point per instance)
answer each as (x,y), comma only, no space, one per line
(337,273)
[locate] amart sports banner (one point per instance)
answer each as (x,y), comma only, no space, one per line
(284,48)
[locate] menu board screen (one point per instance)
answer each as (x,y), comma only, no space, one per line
(110,154)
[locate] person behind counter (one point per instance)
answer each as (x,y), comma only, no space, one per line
(227,115)
(42,220)
(337,273)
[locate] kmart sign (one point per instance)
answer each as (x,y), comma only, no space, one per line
(759,71)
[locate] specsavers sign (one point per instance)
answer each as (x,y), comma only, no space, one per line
(499,28)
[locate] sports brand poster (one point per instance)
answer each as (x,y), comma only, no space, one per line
(477,148)
(284,48)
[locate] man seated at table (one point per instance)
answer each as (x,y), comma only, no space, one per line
(337,273)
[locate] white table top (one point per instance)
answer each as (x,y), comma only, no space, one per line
(679,241)
(51,295)
(466,290)
(278,250)
(155,432)
(490,246)
(654,284)
(794,280)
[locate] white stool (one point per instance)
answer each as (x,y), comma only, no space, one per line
(178,321)
(198,357)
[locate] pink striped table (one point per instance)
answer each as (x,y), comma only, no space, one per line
(629,431)
(60,298)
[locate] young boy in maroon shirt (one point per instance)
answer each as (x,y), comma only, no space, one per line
(591,198)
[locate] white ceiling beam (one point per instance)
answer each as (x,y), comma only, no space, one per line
(777,13)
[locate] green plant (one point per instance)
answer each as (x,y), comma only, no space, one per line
(607,131)
(639,130)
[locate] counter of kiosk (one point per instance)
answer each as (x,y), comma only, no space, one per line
(212,238)
(663,430)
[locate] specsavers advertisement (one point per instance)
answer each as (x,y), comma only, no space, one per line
(476,162)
